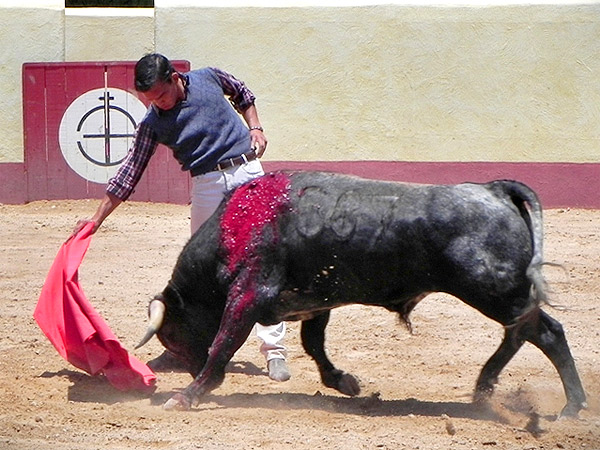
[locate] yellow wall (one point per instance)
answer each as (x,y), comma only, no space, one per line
(394,82)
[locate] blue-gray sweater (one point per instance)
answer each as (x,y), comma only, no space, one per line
(203,129)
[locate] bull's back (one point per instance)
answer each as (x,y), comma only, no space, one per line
(363,238)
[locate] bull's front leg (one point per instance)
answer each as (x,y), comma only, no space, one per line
(236,325)
(313,340)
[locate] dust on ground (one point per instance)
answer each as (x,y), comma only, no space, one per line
(416,388)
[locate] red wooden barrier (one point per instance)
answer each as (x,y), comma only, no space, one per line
(78,121)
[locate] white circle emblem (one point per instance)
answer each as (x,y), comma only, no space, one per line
(96,131)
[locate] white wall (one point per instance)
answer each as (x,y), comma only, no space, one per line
(107,34)
(29,31)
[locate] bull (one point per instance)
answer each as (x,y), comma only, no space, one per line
(294,245)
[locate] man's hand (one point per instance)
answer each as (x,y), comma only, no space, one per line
(107,205)
(258,142)
(80,224)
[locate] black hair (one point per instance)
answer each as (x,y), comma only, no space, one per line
(151,69)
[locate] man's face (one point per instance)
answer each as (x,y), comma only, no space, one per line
(163,94)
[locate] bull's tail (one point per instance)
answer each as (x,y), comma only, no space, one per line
(530,208)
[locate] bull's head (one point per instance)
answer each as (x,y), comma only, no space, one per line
(185,326)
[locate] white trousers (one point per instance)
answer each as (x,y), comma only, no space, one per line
(207,193)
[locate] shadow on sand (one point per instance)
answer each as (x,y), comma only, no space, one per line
(96,389)
(86,388)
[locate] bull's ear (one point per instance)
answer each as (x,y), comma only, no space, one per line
(172,294)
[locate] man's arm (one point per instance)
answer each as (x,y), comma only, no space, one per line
(240,96)
(242,100)
(107,205)
(122,185)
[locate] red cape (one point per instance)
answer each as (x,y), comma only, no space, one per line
(76,330)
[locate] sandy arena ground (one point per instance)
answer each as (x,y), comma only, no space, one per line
(416,388)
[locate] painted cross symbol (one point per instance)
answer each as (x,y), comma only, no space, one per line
(107,135)
(97,129)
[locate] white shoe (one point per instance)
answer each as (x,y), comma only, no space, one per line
(278,370)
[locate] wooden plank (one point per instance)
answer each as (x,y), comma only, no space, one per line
(56,103)
(122,77)
(158,175)
(179,183)
(81,79)
(34,129)
(13,189)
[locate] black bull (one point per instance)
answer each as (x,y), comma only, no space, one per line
(292,246)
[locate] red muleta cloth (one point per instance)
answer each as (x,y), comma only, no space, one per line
(78,332)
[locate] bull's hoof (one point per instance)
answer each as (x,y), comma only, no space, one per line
(348,385)
(341,381)
(571,410)
(482,395)
(178,402)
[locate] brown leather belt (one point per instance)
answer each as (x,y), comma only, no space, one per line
(230,162)
(238,160)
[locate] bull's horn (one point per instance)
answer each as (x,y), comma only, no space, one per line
(157,315)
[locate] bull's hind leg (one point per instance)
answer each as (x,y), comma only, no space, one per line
(492,368)
(547,334)
(313,340)
(549,337)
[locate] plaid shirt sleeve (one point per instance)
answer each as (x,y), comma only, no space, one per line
(127,177)
(239,95)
